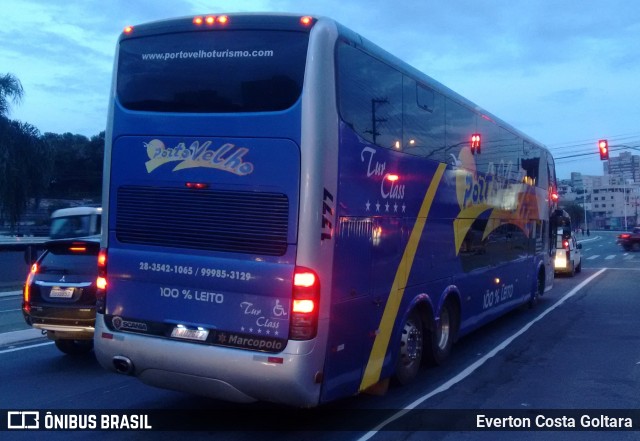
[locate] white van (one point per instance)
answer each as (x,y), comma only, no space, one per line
(568,254)
(76,222)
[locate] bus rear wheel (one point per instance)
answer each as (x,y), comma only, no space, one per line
(411,349)
(442,335)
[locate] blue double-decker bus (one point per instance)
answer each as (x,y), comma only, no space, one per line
(292,214)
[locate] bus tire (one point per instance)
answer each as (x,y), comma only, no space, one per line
(538,291)
(441,336)
(411,349)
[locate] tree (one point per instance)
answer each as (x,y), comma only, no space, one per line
(76,165)
(24,165)
(576,212)
(10,89)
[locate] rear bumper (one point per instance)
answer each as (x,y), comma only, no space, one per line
(290,377)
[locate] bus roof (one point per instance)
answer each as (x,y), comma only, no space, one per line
(289,21)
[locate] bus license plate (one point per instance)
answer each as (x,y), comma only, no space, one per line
(61,293)
(190,334)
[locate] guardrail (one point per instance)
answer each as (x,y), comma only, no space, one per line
(18,243)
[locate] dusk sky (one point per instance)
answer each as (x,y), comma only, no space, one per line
(564,72)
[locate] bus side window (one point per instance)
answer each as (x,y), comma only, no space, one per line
(370,97)
(423,120)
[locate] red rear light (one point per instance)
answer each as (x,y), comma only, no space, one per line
(303,306)
(306,20)
(102,260)
(101,281)
(196,185)
(304,279)
(26,294)
(304,313)
(565,244)
(625,236)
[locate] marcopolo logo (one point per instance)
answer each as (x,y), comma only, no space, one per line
(228,157)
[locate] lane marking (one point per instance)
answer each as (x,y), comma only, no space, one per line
(473,367)
(6,351)
(593,257)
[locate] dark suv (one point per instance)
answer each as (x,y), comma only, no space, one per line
(59,295)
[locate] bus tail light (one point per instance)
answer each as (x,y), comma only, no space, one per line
(101,282)
(304,313)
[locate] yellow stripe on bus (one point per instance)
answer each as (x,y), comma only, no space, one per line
(389,316)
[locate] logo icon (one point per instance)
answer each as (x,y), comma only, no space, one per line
(23,419)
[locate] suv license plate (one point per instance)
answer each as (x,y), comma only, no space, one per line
(190,334)
(61,293)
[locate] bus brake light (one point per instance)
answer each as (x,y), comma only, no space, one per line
(304,279)
(101,283)
(303,306)
(196,185)
(304,311)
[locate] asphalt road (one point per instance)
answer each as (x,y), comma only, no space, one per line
(579,349)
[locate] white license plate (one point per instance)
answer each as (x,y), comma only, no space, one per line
(190,334)
(61,293)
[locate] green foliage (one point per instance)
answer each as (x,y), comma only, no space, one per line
(76,165)
(10,88)
(24,168)
(576,212)
(35,166)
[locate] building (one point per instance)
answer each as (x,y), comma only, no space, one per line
(624,166)
(614,204)
(611,202)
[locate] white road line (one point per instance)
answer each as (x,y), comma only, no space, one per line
(609,257)
(473,367)
(10,310)
(22,348)
(593,257)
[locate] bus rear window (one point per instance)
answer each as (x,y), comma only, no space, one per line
(212,72)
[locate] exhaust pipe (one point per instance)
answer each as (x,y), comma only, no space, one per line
(123,365)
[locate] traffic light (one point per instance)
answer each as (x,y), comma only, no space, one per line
(475,143)
(603,145)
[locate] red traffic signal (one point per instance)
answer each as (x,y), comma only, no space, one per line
(475,143)
(603,146)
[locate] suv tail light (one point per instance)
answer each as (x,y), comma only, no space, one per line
(565,244)
(26,294)
(101,282)
(306,297)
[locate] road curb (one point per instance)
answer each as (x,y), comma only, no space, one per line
(8,338)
